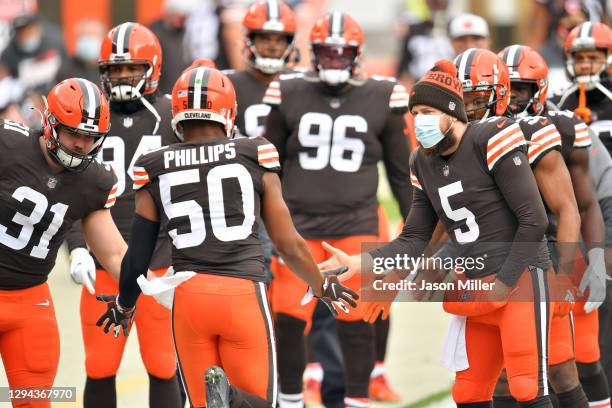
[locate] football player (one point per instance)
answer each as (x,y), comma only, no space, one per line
(130,66)
(331,128)
(476,178)
(49,180)
(213,190)
(588,53)
(528,76)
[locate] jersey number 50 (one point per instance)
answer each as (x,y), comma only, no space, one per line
(328,136)
(216,205)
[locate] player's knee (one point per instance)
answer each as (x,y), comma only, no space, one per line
(524,388)
(100,364)
(467,391)
(586,370)
(160,364)
(563,377)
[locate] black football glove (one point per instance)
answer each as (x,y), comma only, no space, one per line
(333,294)
(115,315)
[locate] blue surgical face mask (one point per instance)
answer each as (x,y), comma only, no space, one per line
(427,129)
(88,48)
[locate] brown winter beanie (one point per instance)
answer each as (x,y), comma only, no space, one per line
(441,89)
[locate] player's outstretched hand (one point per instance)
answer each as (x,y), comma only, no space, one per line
(338,259)
(116,317)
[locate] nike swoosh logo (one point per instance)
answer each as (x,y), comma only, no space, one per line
(501,124)
(45,303)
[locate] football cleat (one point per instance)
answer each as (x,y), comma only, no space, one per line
(217,388)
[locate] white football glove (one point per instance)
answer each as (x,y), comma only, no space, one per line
(595,279)
(83,269)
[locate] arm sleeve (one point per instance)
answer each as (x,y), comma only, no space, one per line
(75,238)
(276,131)
(143,237)
(418,228)
(396,155)
(518,186)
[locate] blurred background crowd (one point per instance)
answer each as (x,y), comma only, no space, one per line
(43,42)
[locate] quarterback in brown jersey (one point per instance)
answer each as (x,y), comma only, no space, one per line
(529,79)
(476,179)
(330,143)
(130,66)
(213,191)
(41,171)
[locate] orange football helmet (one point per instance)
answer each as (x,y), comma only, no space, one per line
(588,36)
(269,16)
(203,93)
(81,107)
(130,43)
(336,40)
(525,65)
(482,70)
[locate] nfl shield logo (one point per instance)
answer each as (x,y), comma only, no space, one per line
(451,105)
(334,103)
(445,170)
(128,122)
(51,182)
(517,160)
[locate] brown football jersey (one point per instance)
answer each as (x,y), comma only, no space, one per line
(209,195)
(131,135)
(252,112)
(38,207)
(330,143)
(464,192)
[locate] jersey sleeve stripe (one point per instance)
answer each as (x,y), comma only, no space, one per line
(508,147)
(544,133)
(538,149)
(270,164)
(501,137)
(271,155)
(415,181)
(272,95)
(112,197)
(583,138)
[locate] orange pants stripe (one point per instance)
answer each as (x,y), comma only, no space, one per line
(224,321)
(29,339)
(514,336)
(103,352)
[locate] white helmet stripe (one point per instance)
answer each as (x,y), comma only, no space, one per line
(273,10)
(197,90)
(336,28)
(463,74)
(512,54)
(585,30)
(121,46)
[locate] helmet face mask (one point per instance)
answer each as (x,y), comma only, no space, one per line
(588,43)
(130,44)
(524,99)
(269,64)
(269,18)
(124,88)
(335,41)
(68,158)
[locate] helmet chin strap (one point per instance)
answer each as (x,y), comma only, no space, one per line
(334,76)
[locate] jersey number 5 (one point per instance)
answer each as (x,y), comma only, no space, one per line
(328,136)
(460,214)
(216,204)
